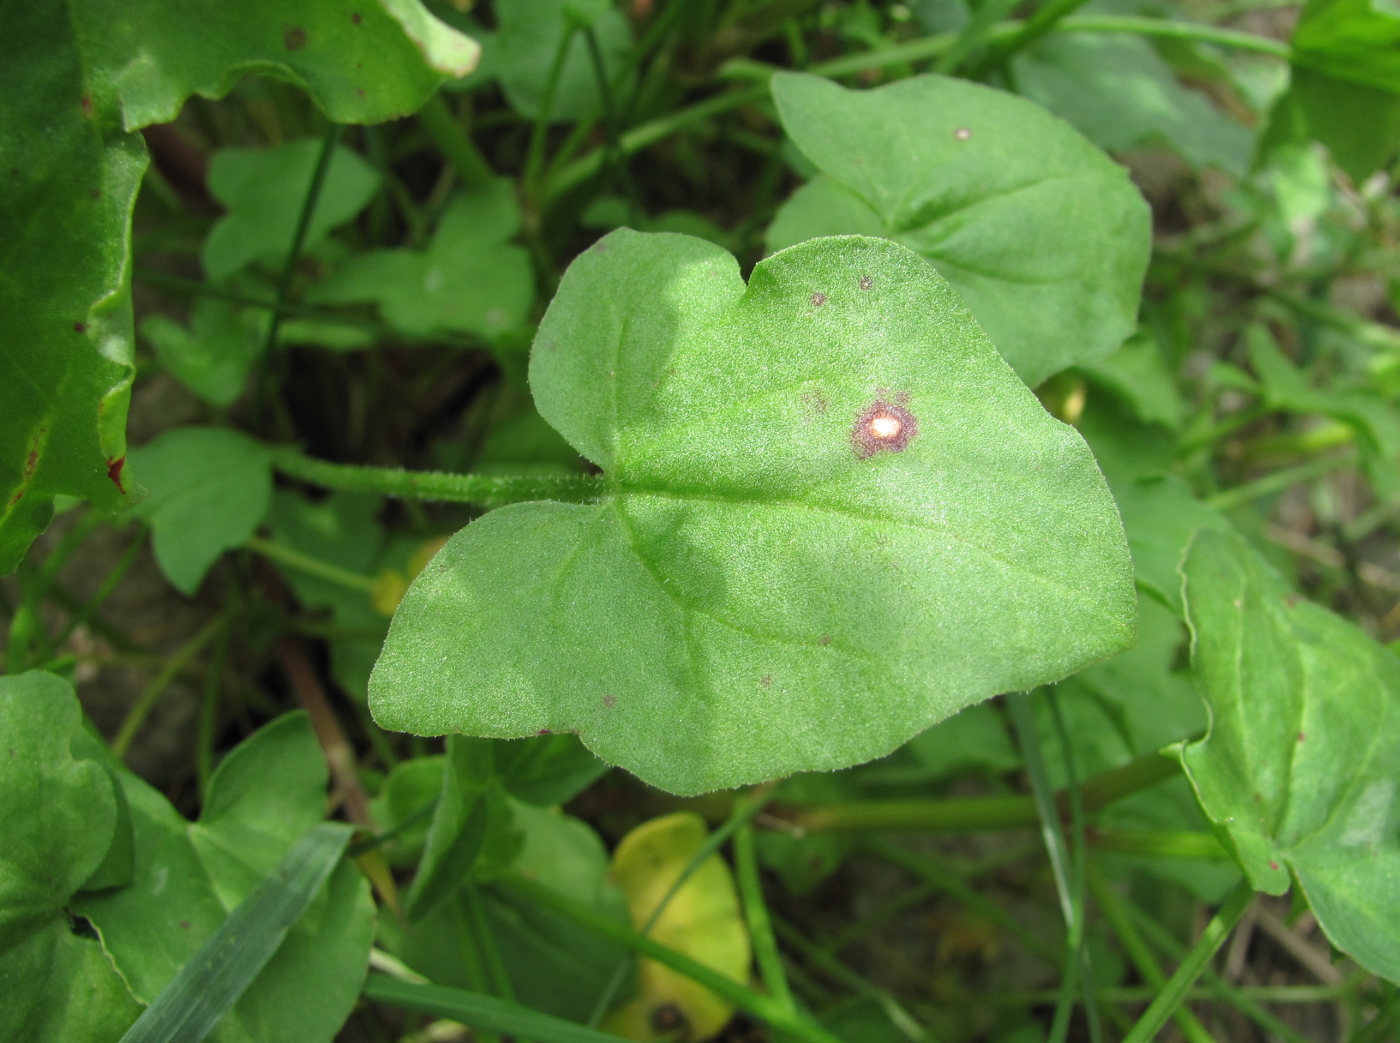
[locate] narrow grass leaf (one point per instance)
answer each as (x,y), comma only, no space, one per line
(213,980)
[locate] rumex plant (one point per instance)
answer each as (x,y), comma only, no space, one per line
(629,485)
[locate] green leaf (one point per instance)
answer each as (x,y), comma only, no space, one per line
(766,587)
(1299,766)
(530,33)
(66,197)
(1354,40)
(210,488)
(59,818)
(404,806)
(1344,89)
(1043,236)
(1161,517)
(214,354)
(362,63)
(469,279)
(216,976)
(1122,95)
(1367,412)
(89,72)
(264,190)
(189,876)
(554,965)
(467,804)
(1139,375)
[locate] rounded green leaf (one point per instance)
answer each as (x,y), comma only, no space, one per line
(1299,768)
(58,817)
(1043,235)
(766,587)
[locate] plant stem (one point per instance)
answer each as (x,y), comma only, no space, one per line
(1277,481)
(1139,954)
(460,151)
(765,947)
(295,559)
(1173,30)
(483,490)
(153,691)
(289,269)
(970,813)
(763,1007)
(1173,994)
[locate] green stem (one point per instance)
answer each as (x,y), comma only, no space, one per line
(1071,902)
(483,490)
(1279,481)
(765,947)
(1172,30)
(452,141)
(153,691)
(1159,843)
(1139,953)
(975,813)
(482,1013)
(295,559)
(1035,28)
(1173,994)
(289,269)
(766,1008)
(534,155)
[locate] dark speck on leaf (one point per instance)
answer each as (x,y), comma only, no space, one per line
(1273,864)
(884,426)
(609,701)
(667,1018)
(818,299)
(1302,736)
(80,327)
(962,134)
(544,731)
(825,640)
(184,925)
(766,681)
(295,39)
(86,102)
(355,17)
(866,282)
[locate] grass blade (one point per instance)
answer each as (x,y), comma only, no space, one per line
(216,976)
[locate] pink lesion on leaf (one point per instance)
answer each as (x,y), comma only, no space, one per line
(886,425)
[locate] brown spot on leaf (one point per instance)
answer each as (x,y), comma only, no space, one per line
(295,39)
(1302,736)
(824,640)
(766,681)
(815,402)
(355,17)
(80,327)
(1292,600)
(544,731)
(818,299)
(114,472)
(884,426)
(1273,864)
(86,102)
(866,282)
(667,1018)
(609,701)
(184,925)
